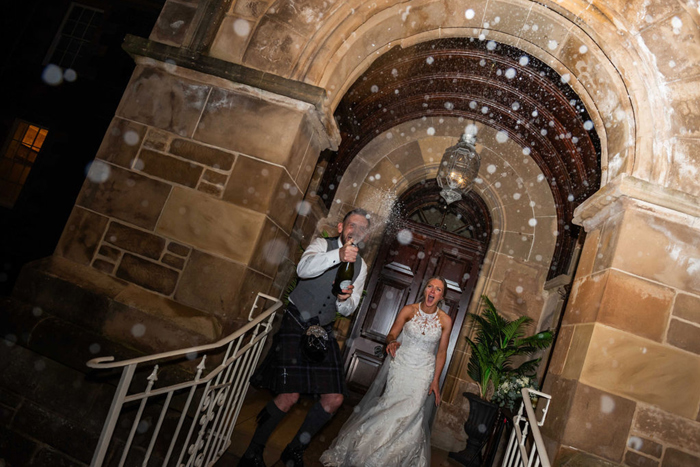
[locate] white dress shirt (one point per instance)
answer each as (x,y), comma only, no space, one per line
(316,260)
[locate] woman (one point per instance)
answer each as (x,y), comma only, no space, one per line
(390,428)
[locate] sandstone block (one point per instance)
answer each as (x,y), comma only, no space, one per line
(208,188)
(687,307)
(201,154)
(127,196)
(173,261)
(684,335)
(675,458)
(157,140)
(135,241)
(215,178)
(270,250)
(121,142)
(274,47)
(81,236)
(104,266)
(667,428)
(561,349)
(577,356)
(147,274)
(639,369)
(645,446)
(598,422)
(159,99)
(181,315)
(253,282)
(649,250)
(210,224)
(210,283)
(635,305)
(180,250)
(674,51)
(109,253)
(249,125)
(174,21)
(169,168)
(637,460)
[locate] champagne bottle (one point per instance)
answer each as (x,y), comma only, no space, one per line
(343,277)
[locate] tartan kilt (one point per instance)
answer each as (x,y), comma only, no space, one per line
(287,370)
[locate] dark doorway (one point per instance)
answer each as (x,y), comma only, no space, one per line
(433,239)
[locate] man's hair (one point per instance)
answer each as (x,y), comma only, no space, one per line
(359,212)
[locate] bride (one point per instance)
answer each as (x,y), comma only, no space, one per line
(389,426)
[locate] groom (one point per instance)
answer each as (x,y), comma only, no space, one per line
(286,370)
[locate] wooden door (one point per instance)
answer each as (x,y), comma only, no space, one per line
(396,280)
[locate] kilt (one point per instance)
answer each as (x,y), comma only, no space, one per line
(287,370)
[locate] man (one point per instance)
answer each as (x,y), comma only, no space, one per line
(287,371)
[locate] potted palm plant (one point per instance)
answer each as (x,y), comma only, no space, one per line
(496,343)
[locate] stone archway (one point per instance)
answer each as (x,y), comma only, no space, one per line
(213,150)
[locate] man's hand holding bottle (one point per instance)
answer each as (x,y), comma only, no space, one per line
(348,256)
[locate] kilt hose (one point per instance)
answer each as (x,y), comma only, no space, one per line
(287,370)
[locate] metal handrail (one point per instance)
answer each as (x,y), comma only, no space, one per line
(524,426)
(219,403)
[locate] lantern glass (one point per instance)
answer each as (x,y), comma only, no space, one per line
(458,169)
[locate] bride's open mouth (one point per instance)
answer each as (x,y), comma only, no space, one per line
(429,299)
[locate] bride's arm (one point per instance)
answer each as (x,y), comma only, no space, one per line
(402,318)
(441,356)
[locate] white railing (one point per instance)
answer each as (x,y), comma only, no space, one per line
(526,433)
(219,396)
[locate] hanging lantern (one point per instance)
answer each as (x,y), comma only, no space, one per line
(458,169)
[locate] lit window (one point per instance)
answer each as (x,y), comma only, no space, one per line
(71,46)
(18,157)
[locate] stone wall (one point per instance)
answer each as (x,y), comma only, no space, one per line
(625,374)
(195,191)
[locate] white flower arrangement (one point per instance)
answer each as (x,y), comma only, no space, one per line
(508,392)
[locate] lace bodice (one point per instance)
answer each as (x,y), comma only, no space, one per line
(421,333)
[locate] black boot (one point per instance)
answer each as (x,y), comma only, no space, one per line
(293,454)
(252,458)
(268,419)
(293,457)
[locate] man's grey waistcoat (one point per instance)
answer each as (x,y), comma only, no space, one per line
(313,297)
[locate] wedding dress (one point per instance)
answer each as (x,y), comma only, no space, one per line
(390,427)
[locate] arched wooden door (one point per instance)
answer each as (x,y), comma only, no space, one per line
(403,264)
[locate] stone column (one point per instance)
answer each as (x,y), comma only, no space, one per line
(625,373)
(188,210)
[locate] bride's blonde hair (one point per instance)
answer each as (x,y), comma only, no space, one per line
(441,303)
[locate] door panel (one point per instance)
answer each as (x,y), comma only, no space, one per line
(395,281)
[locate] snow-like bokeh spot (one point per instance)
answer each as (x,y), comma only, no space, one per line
(52,75)
(404,237)
(131,138)
(70,75)
(469,14)
(241,27)
(138,330)
(98,172)
(607,404)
